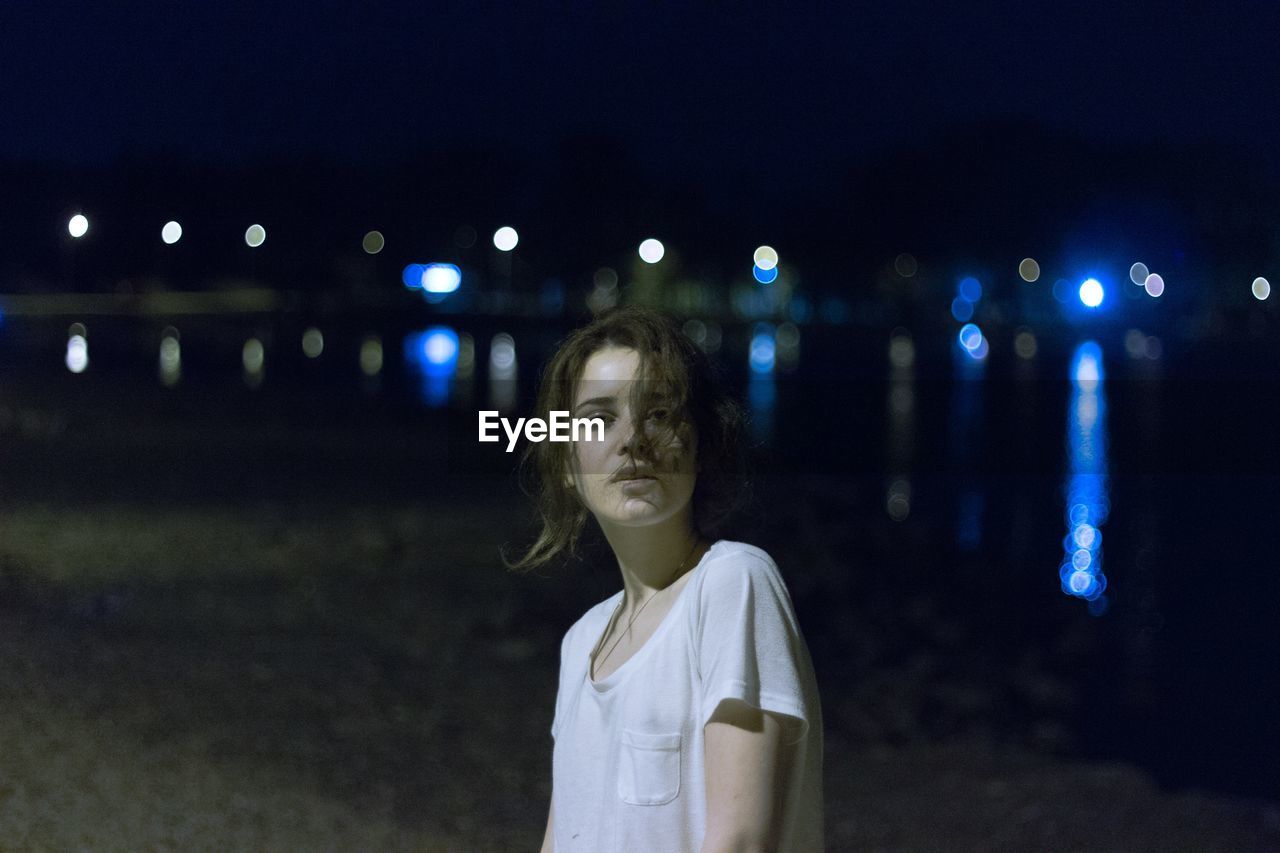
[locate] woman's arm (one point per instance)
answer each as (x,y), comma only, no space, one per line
(548,842)
(744,759)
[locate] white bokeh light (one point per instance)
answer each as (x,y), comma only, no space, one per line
(170,357)
(766,258)
(371,355)
(253,356)
(651,251)
(312,343)
(255,236)
(1261,288)
(1091,293)
(505,238)
(171,232)
(78,225)
(77,354)
(1155,284)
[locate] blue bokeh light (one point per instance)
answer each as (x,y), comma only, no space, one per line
(970,288)
(412,276)
(768,276)
(970,337)
(961,309)
(433,355)
(763,349)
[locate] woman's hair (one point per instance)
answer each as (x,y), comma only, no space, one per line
(671,365)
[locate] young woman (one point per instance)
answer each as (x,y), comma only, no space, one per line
(687,716)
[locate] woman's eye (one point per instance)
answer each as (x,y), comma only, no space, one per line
(659,414)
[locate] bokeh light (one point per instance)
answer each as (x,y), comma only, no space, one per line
(171,232)
(695,330)
(651,251)
(77,353)
(441,278)
(502,356)
(373,242)
(604,294)
(433,355)
(787,339)
(1135,343)
(902,351)
(763,349)
(970,288)
(505,238)
(765,276)
(412,275)
(766,258)
(78,225)
(970,337)
(898,499)
(1138,273)
(1091,292)
(605,278)
(961,309)
(170,357)
(255,236)
(1261,288)
(906,265)
(253,356)
(1154,284)
(371,355)
(466,356)
(440,346)
(312,343)
(1029,269)
(1024,344)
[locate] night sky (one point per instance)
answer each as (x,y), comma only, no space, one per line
(781,92)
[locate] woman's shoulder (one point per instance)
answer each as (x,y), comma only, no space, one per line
(735,567)
(737,560)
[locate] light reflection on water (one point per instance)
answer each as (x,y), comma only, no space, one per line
(1086,489)
(900,424)
(965,426)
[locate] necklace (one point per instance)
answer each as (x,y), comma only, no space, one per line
(636,615)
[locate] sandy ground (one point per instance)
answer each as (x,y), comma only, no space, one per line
(360,678)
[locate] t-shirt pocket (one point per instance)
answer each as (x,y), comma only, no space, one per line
(649,768)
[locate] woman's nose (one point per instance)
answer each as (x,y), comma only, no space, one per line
(635,441)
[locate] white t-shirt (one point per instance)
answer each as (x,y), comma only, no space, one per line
(628,761)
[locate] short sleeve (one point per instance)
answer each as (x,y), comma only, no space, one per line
(555,719)
(749,642)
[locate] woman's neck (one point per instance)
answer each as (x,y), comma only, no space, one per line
(653,557)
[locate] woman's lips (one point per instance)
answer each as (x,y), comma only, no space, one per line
(635,484)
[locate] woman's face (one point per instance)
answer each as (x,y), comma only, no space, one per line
(638,475)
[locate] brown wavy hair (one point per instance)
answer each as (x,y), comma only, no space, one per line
(671,365)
